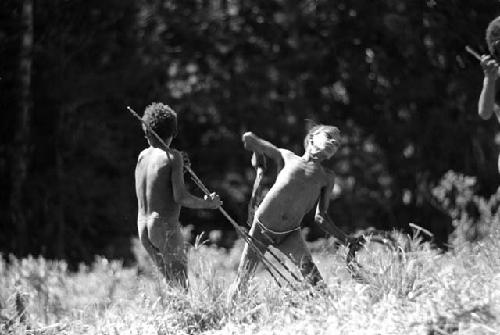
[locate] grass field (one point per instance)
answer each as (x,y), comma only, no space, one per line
(416,291)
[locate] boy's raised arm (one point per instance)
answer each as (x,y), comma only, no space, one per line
(254,143)
(486,103)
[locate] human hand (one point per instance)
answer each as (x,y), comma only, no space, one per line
(246,138)
(213,200)
(490,66)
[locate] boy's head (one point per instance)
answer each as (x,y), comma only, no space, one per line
(322,141)
(493,37)
(161,119)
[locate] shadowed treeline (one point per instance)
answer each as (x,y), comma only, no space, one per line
(394,76)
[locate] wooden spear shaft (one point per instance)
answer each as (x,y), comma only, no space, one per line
(471,51)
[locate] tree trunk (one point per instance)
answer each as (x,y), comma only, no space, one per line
(21,148)
(59,212)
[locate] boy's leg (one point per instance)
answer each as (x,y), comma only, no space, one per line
(174,254)
(167,243)
(295,247)
(249,258)
(151,249)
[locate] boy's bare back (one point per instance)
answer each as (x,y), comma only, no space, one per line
(153,183)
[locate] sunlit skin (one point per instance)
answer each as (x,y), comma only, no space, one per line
(487,106)
(302,183)
(160,189)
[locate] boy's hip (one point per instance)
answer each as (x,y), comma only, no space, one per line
(274,236)
(158,221)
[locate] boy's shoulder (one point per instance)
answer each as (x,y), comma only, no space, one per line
(142,154)
(159,155)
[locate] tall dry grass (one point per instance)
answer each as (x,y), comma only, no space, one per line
(412,288)
(417,290)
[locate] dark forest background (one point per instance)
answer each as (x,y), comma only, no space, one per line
(392,74)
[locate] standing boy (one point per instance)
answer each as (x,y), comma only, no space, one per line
(489,98)
(160,190)
(302,182)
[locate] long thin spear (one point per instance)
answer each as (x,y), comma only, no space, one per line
(247,237)
(475,54)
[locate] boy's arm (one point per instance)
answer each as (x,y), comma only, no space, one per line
(254,143)
(182,195)
(486,104)
(322,217)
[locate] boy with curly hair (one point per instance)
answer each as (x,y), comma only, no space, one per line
(160,190)
(304,181)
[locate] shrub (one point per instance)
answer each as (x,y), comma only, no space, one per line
(473,217)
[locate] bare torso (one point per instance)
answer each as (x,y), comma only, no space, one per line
(295,192)
(153,184)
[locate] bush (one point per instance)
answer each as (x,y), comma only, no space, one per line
(473,217)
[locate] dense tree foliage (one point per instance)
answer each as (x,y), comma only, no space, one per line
(393,75)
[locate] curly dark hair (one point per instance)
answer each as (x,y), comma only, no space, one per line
(493,35)
(161,118)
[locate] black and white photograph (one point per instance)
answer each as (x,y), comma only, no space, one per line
(227,167)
